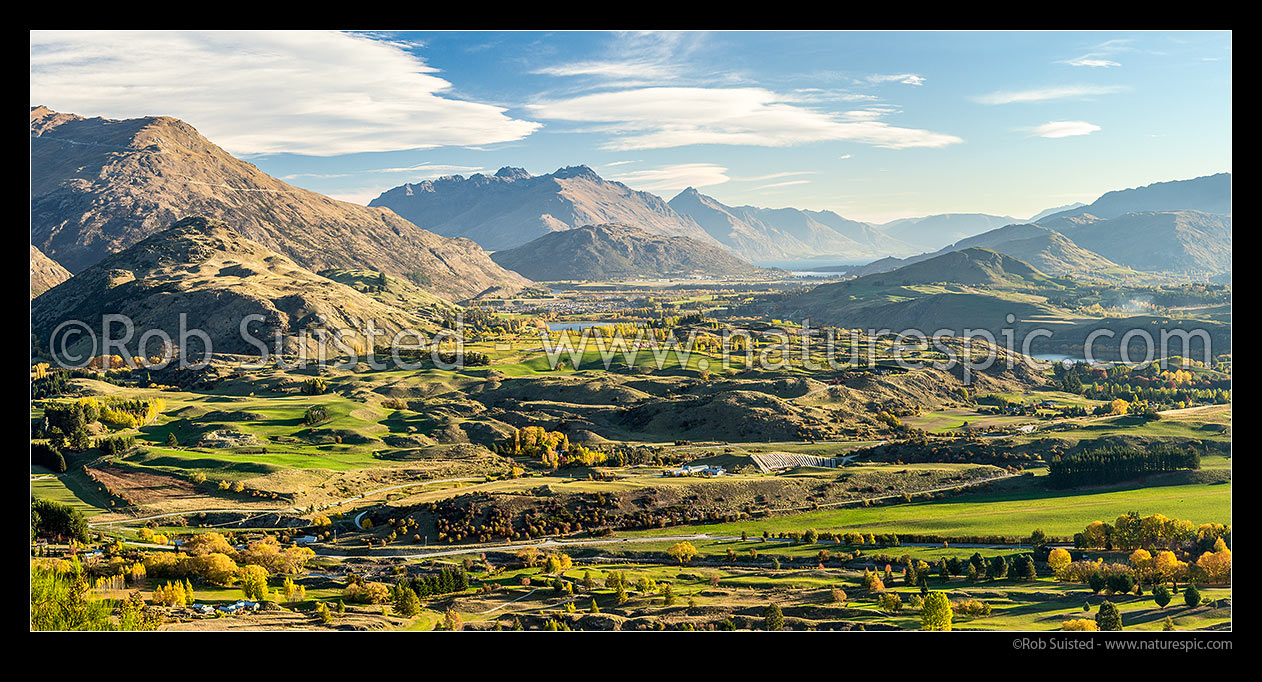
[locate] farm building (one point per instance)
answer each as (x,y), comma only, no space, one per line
(239,606)
(696,471)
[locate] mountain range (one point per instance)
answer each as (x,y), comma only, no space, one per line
(512,207)
(769,234)
(1121,245)
(1207,194)
(1049,251)
(611,251)
(101,185)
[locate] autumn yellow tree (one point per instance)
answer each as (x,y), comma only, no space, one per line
(682,551)
(1216,564)
(170,594)
(1145,566)
(1168,567)
(529,556)
(1096,534)
(253,581)
(207,543)
(1057,560)
(215,568)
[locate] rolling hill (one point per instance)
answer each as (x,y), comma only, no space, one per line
(99,186)
(970,266)
(600,252)
(1045,249)
(980,289)
(201,268)
(972,287)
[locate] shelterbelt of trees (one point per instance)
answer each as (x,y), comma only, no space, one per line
(1108,465)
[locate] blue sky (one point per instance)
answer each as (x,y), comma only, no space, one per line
(873,125)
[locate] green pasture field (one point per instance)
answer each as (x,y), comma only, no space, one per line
(1037,396)
(228,464)
(952,419)
(1129,425)
(71,489)
(1060,513)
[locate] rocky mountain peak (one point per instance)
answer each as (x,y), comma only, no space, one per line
(511,173)
(580,171)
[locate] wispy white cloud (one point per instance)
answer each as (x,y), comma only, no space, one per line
(319,93)
(823,95)
(905,78)
(1091,60)
(869,114)
(1056,129)
(429,170)
(317,176)
(1100,56)
(634,58)
(421,171)
(1048,93)
(780,184)
(657,118)
(675,177)
(636,69)
(773,176)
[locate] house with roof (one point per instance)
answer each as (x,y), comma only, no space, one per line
(706,471)
(239,606)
